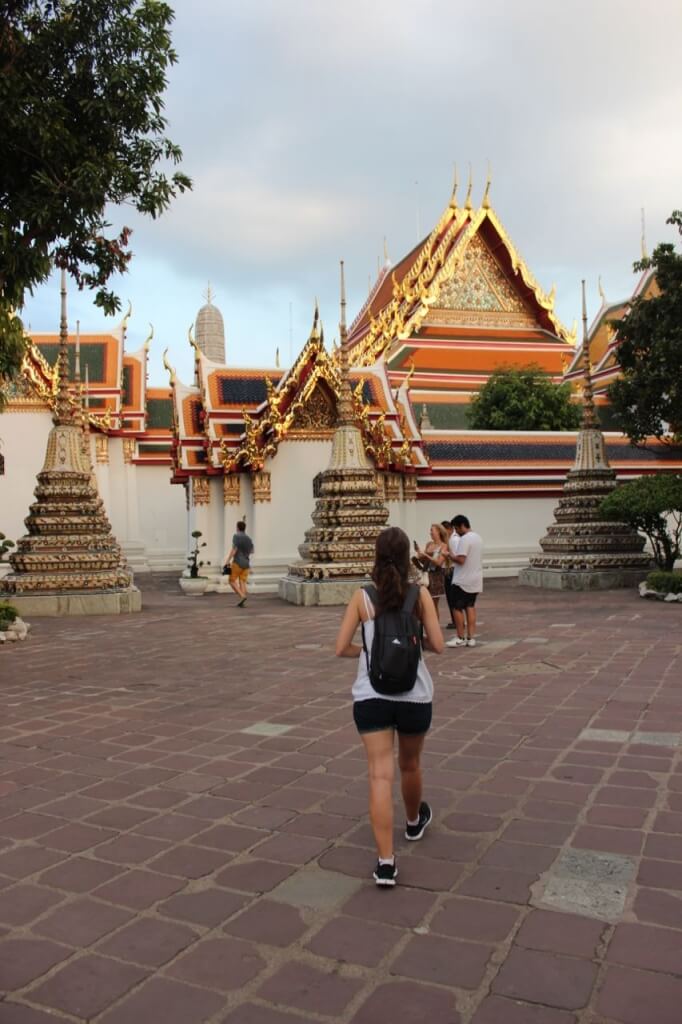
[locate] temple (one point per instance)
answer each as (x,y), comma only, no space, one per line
(254,441)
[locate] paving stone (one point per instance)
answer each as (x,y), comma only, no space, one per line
(130,849)
(646,947)
(479,920)
(87,986)
(221,964)
(139,889)
(657,739)
(664,847)
(82,922)
(659,907)
(560,933)
(268,922)
(315,888)
(407,910)
(149,942)
(190,861)
(519,856)
(22,960)
(17,1013)
(640,997)
(496,1010)
(606,735)
(617,817)
(160,999)
(27,860)
(292,849)
(229,837)
(209,907)
(609,840)
(21,904)
(350,940)
(305,988)
(659,874)
(257,1013)
(498,884)
(443,961)
(559,981)
(545,833)
(253,875)
(403,1003)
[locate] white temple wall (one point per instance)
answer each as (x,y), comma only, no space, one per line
(23,440)
(163,518)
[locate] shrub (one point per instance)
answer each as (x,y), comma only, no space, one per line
(653,505)
(665,582)
(8,613)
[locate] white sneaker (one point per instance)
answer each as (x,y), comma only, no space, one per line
(457,641)
(471,642)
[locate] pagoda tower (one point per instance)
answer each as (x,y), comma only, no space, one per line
(69,563)
(582,551)
(338,550)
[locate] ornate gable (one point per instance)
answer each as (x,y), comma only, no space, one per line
(478,284)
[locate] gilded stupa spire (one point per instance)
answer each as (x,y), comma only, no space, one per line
(63,414)
(589,414)
(345,405)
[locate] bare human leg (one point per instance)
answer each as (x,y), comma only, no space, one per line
(379,748)
(471,622)
(459,622)
(409,753)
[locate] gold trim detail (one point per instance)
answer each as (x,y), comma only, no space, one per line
(261,486)
(102,449)
(231,489)
(201,490)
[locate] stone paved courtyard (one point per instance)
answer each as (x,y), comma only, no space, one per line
(184,839)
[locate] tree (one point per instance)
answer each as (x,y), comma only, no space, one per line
(524,399)
(653,505)
(82,127)
(647,398)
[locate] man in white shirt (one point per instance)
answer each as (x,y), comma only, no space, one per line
(467,582)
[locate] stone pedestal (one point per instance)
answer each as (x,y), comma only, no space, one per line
(117,602)
(323,592)
(576,579)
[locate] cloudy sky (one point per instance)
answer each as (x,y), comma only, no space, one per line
(313,129)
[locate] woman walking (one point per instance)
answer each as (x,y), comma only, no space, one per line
(379,715)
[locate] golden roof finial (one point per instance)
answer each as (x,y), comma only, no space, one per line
(343,332)
(167,366)
(602,294)
(467,203)
(453,196)
(486,195)
(551,298)
(191,339)
(315,331)
(148,340)
(277,358)
(126,318)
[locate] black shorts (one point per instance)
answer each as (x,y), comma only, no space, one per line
(406,717)
(461,599)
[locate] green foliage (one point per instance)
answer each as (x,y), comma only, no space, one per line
(523,399)
(8,613)
(5,545)
(82,126)
(653,505)
(193,563)
(647,398)
(665,582)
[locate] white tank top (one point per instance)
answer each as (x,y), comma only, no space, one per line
(421,692)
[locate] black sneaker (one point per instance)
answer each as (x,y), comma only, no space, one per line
(417,831)
(385,874)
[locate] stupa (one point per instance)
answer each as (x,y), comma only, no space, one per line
(338,550)
(582,551)
(69,563)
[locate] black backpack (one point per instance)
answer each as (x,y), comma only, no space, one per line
(396,648)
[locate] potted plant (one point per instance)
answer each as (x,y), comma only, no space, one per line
(193,583)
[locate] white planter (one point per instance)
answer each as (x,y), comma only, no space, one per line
(194,587)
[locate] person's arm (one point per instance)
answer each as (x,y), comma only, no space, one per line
(435,555)
(462,551)
(230,557)
(433,640)
(345,648)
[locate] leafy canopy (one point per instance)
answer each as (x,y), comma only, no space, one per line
(524,399)
(647,398)
(653,505)
(82,126)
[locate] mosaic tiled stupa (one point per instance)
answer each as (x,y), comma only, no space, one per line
(338,550)
(582,551)
(69,563)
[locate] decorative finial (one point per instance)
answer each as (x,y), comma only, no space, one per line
(455,185)
(645,254)
(602,294)
(486,195)
(87,391)
(343,333)
(551,298)
(589,417)
(467,203)
(77,359)
(387,261)
(315,330)
(209,293)
(277,358)
(167,366)
(424,420)
(410,375)
(148,339)
(191,339)
(63,413)
(126,318)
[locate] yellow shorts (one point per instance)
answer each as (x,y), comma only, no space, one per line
(237,573)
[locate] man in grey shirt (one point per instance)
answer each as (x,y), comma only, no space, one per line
(239,562)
